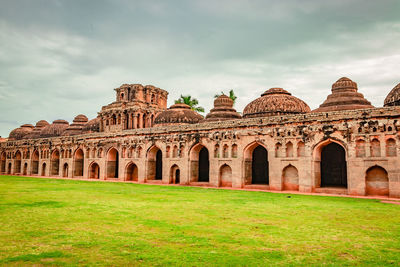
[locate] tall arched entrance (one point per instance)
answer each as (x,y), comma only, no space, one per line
(35,163)
(55,162)
(333,166)
(44,169)
(3,162)
(112,163)
(154,164)
(225,176)
(377,182)
(131,172)
(78,163)
(175,175)
(9,168)
(94,171)
(17,166)
(259,166)
(204,165)
(25,170)
(65,170)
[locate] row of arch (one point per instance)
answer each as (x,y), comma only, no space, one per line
(375,148)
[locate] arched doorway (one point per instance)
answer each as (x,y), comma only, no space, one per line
(9,168)
(131,172)
(377,182)
(78,163)
(25,170)
(333,166)
(3,162)
(94,171)
(55,162)
(35,163)
(175,175)
(112,163)
(290,178)
(154,164)
(259,166)
(44,169)
(204,165)
(17,166)
(65,170)
(159,165)
(225,176)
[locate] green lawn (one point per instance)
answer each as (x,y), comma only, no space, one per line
(67,222)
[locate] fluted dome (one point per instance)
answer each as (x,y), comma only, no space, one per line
(35,133)
(92,126)
(344,97)
(275,101)
(223,110)
(178,113)
(54,129)
(76,126)
(393,98)
(21,132)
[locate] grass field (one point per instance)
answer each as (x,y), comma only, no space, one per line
(67,222)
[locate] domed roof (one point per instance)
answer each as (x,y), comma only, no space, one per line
(275,101)
(76,125)
(178,113)
(91,126)
(54,129)
(35,133)
(344,97)
(393,98)
(21,132)
(223,110)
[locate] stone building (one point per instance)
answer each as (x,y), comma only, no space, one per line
(346,146)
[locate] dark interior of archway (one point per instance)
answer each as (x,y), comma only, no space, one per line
(94,171)
(260,172)
(159,165)
(65,170)
(333,166)
(177,176)
(204,166)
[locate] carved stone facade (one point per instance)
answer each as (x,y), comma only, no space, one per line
(279,147)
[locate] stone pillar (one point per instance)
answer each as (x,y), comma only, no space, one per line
(135,120)
(141,120)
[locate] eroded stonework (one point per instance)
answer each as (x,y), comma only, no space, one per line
(278,145)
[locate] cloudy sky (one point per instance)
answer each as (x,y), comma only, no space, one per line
(60,58)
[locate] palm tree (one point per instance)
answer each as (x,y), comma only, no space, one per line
(191,102)
(231,95)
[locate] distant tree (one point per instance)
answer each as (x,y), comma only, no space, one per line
(231,95)
(191,102)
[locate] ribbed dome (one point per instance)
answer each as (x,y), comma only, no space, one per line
(21,132)
(54,129)
(41,124)
(223,110)
(344,97)
(91,126)
(76,126)
(393,98)
(178,113)
(275,101)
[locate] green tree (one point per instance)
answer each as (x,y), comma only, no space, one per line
(231,95)
(191,102)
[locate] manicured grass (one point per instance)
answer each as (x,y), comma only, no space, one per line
(67,222)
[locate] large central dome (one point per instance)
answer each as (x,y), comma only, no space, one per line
(275,101)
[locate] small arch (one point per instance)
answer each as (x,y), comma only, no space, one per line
(65,170)
(17,166)
(139,152)
(175,175)
(360,148)
(9,168)
(175,151)
(167,149)
(377,181)
(234,151)
(35,162)
(391,148)
(55,162)
(375,148)
(216,151)
(289,149)
(278,148)
(225,176)
(44,169)
(290,178)
(25,170)
(131,173)
(225,152)
(301,150)
(94,171)
(112,163)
